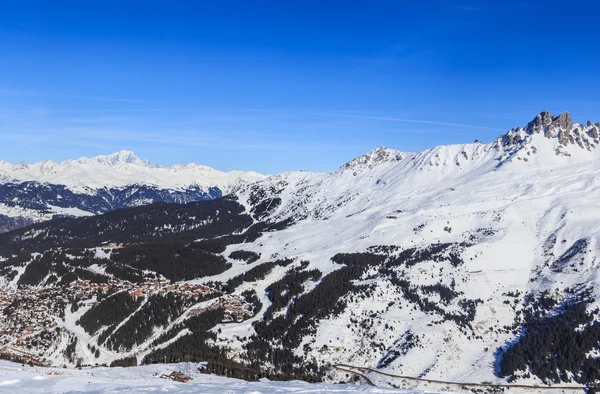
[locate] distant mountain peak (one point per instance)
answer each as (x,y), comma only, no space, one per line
(118,158)
(124,156)
(375,157)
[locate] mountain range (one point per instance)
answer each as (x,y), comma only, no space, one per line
(36,192)
(470,262)
(121,169)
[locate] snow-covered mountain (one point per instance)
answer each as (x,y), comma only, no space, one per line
(122,169)
(546,144)
(470,262)
(40,191)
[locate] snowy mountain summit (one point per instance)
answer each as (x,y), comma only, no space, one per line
(117,158)
(546,143)
(555,134)
(542,141)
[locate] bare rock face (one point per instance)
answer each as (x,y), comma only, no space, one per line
(559,128)
(373,158)
(549,124)
(539,123)
(513,137)
(564,121)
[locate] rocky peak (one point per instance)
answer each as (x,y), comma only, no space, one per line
(559,128)
(374,158)
(545,121)
(540,122)
(564,121)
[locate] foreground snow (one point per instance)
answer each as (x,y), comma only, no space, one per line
(17,379)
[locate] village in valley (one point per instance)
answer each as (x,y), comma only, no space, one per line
(28,311)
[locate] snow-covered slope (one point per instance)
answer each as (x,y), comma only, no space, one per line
(523,207)
(438,264)
(121,169)
(547,143)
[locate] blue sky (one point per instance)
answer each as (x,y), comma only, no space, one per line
(285,85)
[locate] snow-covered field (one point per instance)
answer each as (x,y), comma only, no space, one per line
(15,378)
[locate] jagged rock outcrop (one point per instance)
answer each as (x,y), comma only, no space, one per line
(555,127)
(373,158)
(539,123)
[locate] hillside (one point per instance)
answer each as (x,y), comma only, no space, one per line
(472,262)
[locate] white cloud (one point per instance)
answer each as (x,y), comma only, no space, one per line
(393,119)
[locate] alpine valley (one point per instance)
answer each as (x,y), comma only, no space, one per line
(467,263)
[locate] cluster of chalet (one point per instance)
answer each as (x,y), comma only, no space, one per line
(29,310)
(186,290)
(6,297)
(236,310)
(156,286)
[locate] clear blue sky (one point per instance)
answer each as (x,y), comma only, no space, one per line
(285,85)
